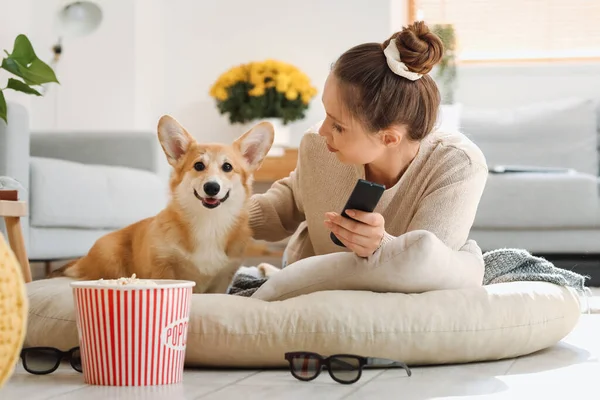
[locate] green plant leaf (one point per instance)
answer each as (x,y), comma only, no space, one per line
(19,86)
(243,108)
(3,110)
(37,73)
(23,50)
(24,63)
(11,66)
(41,72)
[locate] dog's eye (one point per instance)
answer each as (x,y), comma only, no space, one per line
(227,167)
(199,166)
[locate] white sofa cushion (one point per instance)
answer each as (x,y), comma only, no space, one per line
(67,194)
(538,201)
(445,326)
(560,133)
(62,243)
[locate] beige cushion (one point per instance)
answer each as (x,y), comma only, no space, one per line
(412,263)
(446,326)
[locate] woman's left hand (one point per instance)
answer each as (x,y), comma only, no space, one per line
(363,236)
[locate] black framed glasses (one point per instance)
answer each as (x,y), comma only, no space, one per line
(343,368)
(45,360)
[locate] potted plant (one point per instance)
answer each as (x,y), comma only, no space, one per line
(269,90)
(24,64)
(446,69)
(29,72)
(445,75)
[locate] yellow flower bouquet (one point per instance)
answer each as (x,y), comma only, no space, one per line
(265,89)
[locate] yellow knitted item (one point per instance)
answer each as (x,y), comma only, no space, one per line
(13,311)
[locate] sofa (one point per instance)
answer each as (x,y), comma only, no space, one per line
(80,185)
(544,212)
(84,184)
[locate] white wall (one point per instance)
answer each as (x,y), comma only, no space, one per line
(150,63)
(96,72)
(12,24)
(151,57)
(205,39)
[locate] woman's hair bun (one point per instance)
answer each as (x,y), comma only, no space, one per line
(419,48)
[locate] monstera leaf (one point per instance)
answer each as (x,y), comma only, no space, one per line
(24,64)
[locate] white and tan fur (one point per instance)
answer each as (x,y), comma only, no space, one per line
(190,239)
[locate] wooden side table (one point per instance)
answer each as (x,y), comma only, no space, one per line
(12,211)
(274,168)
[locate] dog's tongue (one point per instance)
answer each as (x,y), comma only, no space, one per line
(211,200)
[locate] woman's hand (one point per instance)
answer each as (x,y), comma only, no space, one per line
(363,236)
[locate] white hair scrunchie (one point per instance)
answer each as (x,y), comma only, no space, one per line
(396,65)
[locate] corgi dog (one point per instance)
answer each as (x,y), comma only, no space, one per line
(203,232)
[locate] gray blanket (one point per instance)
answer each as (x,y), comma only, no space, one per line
(512,265)
(503,265)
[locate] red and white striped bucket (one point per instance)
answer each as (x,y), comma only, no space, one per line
(132,335)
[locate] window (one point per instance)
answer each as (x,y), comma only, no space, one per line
(516,29)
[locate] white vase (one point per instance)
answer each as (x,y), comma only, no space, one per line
(282,133)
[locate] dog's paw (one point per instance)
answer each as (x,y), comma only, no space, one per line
(267,270)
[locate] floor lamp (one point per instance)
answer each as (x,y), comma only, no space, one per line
(74,19)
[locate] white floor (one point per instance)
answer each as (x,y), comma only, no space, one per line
(571,368)
(594,300)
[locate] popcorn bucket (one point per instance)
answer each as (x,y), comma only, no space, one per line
(132,334)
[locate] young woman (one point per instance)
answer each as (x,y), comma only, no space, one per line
(381,107)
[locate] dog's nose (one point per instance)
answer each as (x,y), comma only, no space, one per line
(211,188)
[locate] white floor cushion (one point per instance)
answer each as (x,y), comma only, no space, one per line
(448,326)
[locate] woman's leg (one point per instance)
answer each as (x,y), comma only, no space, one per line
(412,263)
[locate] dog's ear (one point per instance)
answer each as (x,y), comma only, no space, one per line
(174,139)
(256,143)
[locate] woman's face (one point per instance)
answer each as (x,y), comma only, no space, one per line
(345,136)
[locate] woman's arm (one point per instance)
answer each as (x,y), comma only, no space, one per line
(448,211)
(277,213)
(449,207)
